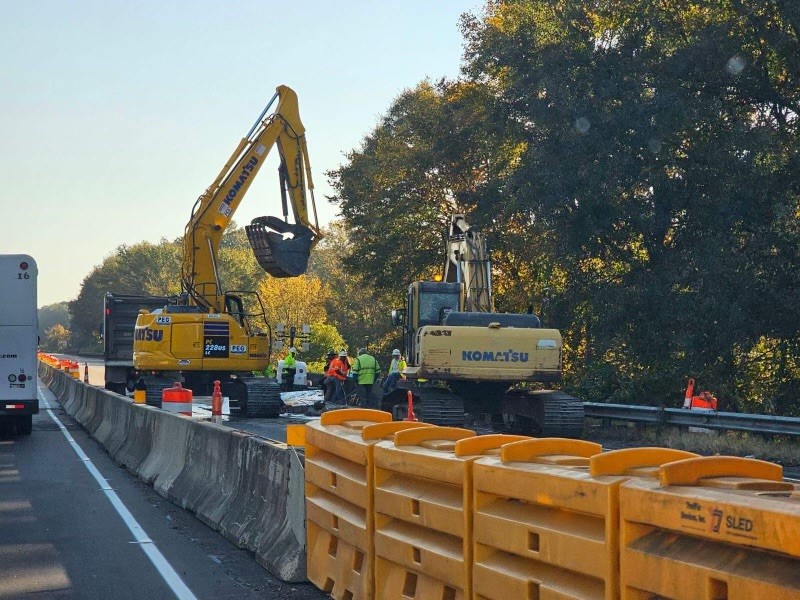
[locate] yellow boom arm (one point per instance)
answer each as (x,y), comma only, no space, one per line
(279,255)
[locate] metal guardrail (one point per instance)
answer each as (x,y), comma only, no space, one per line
(723,421)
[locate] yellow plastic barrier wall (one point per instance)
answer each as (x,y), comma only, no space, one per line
(339,499)
(547,515)
(423,520)
(716,528)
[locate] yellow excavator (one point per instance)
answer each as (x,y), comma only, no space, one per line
(466,361)
(214,334)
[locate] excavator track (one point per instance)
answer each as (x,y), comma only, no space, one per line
(440,407)
(435,405)
(262,398)
(154,387)
(563,414)
(544,413)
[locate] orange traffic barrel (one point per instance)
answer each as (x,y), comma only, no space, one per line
(177,399)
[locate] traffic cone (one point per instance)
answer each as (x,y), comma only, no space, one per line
(216,403)
(687,399)
(411,416)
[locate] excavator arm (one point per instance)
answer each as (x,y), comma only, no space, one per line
(281,248)
(468,263)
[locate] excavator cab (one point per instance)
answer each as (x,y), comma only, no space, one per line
(278,255)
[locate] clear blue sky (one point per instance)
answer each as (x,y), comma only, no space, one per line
(116,115)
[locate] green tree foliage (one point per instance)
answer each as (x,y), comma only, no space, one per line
(55,338)
(661,147)
(430,156)
(141,269)
(237,265)
(640,159)
(354,306)
(53,314)
(324,338)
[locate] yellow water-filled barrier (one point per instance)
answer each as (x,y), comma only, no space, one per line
(546,518)
(716,528)
(423,520)
(339,498)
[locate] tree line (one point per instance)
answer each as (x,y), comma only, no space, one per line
(321,297)
(637,160)
(637,163)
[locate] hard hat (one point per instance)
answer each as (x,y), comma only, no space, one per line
(342,353)
(362,350)
(292,349)
(331,353)
(395,352)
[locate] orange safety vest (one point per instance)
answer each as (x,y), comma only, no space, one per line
(338,369)
(700,402)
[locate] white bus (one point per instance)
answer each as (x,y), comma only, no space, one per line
(19,336)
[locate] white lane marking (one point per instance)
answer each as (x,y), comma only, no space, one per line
(166,571)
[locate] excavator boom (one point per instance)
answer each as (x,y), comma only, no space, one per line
(277,254)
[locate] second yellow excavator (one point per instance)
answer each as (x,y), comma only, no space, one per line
(213,334)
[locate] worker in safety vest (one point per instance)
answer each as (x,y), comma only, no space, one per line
(289,368)
(395,372)
(365,370)
(337,374)
(331,355)
(705,400)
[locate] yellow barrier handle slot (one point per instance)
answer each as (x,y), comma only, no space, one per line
(481,443)
(619,462)
(378,431)
(337,417)
(692,470)
(413,437)
(527,450)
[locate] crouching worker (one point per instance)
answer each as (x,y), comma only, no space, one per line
(335,379)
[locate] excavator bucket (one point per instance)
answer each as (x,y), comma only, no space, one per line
(278,255)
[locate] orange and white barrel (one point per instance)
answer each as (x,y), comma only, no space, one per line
(177,399)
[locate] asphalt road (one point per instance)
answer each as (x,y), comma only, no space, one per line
(73,524)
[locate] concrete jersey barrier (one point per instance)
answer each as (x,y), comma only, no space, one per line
(249,489)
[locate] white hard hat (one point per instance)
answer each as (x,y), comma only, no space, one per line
(292,349)
(342,353)
(395,352)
